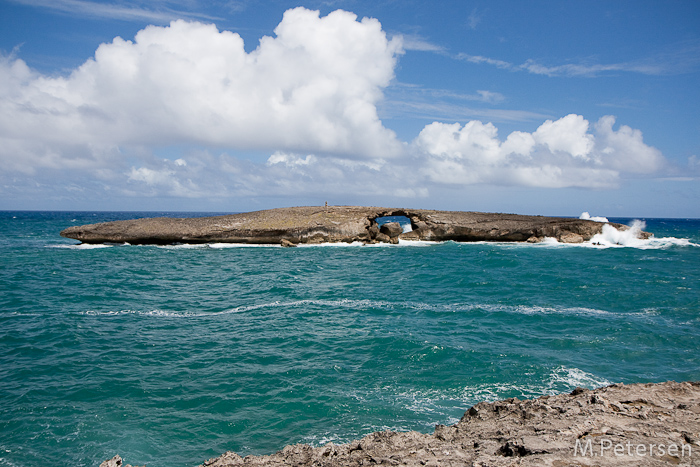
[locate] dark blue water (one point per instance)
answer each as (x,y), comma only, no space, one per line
(171,355)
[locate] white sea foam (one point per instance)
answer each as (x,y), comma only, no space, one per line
(342,303)
(586,216)
(155,312)
(81,246)
(573,377)
(517,309)
(560,379)
(330,244)
(216,246)
(611,237)
(241,245)
(184,246)
(364,304)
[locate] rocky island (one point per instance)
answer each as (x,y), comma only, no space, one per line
(299,225)
(619,425)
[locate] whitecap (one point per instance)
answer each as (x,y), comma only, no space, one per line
(344,303)
(184,246)
(81,246)
(573,378)
(586,216)
(516,309)
(330,244)
(154,312)
(560,379)
(221,246)
(612,237)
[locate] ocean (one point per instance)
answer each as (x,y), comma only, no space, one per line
(172,355)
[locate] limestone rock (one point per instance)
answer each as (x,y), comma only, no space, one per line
(337,224)
(570,237)
(640,425)
(392,229)
(381,237)
(584,428)
(115,461)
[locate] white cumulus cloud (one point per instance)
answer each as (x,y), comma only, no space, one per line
(312,87)
(560,153)
(305,98)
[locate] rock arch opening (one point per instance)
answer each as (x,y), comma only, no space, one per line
(403,221)
(388,226)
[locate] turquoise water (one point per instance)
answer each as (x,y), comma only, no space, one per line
(171,355)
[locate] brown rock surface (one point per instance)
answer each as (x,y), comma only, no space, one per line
(115,461)
(336,224)
(619,425)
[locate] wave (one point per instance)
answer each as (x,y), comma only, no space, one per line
(446,406)
(611,237)
(560,379)
(215,246)
(363,304)
(585,215)
(156,312)
(221,246)
(421,306)
(81,246)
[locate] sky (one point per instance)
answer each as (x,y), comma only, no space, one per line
(531,107)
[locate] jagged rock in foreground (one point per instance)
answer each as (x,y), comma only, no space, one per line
(116,461)
(337,224)
(620,425)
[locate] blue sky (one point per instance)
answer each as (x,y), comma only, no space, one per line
(530,107)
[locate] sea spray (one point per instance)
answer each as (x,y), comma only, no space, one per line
(587,216)
(630,237)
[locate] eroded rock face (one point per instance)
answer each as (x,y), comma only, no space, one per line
(620,425)
(338,224)
(634,425)
(115,461)
(392,229)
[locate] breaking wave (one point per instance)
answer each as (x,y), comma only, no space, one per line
(81,246)
(362,304)
(560,379)
(611,237)
(586,216)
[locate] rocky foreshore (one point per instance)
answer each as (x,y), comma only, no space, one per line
(619,425)
(330,224)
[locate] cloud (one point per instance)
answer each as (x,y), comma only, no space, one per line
(474,19)
(312,87)
(305,99)
(568,135)
(590,69)
(568,152)
(478,59)
(418,43)
(126,11)
(409,100)
(661,65)
(560,153)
